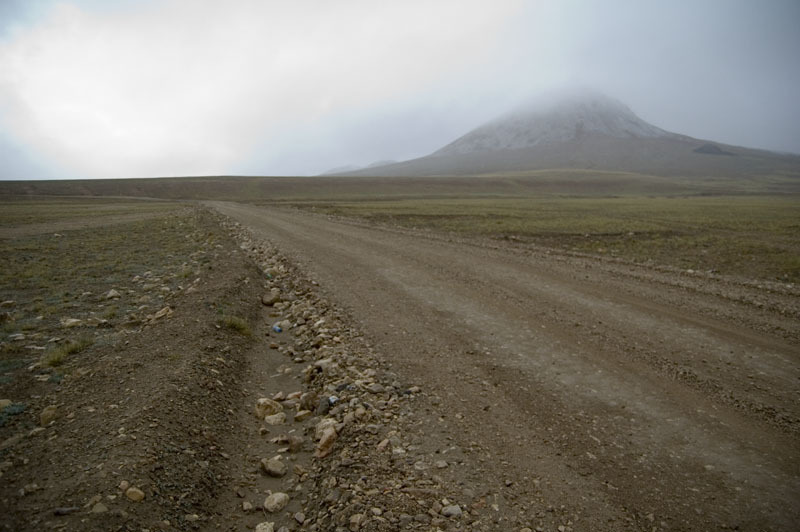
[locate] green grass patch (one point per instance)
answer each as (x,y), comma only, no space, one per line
(36,210)
(64,276)
(752,236)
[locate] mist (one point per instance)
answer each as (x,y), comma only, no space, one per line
(125,89)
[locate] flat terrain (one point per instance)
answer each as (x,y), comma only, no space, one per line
(624,393)
(482,356)
(754,237)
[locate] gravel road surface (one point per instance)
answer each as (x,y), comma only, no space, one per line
(666,400)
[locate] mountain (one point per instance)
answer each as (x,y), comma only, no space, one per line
(342,169)
(586,130)
(351,168)
(569,118)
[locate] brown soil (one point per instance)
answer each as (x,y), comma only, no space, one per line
(148,404)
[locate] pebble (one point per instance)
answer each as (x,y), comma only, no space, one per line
(124,485)
(275,419)
(134,494)
(166,311)
(274,296)
(375,388)
(323,407)
(356,520)
(302,415)
(325,446)
(274,467)
(112,294)
(99,508)
(276,502)
(247,506)
(451,511)
(441,464)
(322,426)
(48,415)
(267,407)
(265,527)
(4,403)
(300,517)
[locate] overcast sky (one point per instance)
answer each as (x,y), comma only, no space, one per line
(104,88)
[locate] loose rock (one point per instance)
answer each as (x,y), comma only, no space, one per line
(274,296)
(276,502)
(375,388)
(134,494)
(267,407)
(274,467)
(302,415)
(451,511)
(166,311)
(325,446)
(99,508)
(356,520)
(265,527)
(275,419)
(322,426)
(48,415)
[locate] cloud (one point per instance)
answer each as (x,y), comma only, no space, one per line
(178,87)
(185,87)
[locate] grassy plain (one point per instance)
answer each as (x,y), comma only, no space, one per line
(746,226)
(750,236)
(33,209)
(53,275)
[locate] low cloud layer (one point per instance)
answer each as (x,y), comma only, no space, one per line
(187,87)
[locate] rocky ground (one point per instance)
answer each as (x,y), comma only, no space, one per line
(237,386)
(234,398)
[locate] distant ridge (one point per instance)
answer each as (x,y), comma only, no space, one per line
(586,130)
(341,170)
(712,149)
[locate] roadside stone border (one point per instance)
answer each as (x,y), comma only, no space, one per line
(369,470)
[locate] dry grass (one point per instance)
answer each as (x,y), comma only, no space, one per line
(751,236)
(52,277)
(57,355)
(237,324)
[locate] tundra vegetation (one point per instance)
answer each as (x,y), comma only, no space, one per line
(748,236)
(64,290)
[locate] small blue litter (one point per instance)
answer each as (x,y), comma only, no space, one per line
(277,328)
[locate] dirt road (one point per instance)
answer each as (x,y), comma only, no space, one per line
(625,397)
